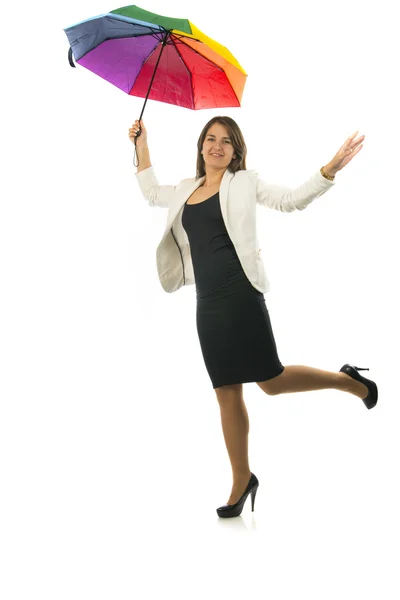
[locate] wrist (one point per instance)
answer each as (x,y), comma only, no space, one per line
(327,170)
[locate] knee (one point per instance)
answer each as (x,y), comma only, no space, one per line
(273,386)
(272,392)
(268,388)
(228,394)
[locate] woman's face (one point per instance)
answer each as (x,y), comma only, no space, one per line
(217,141)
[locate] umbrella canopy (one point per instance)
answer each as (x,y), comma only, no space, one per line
(157,57)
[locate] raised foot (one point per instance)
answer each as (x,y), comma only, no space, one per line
(355,387)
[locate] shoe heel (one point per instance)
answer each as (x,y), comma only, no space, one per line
(372,398)
(234,510)
(253,498)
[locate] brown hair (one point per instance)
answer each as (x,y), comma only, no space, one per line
(239,146)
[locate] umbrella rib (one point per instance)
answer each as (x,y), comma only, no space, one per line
(180,36)
(185,65)
(202,55)
(210,61)
(122,37)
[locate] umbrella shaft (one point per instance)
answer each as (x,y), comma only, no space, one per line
(164,42)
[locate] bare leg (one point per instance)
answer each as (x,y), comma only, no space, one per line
(235,426)
(300,378)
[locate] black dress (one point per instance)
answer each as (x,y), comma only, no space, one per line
(233,323)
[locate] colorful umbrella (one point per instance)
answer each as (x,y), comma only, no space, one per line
(161,58)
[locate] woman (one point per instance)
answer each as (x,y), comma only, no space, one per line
(215,235)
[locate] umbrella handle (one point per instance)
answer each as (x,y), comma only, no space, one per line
(71,62)
(139,131)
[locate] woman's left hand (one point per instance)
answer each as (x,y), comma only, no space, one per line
(346,153)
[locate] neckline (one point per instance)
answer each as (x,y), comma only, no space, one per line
(205,200)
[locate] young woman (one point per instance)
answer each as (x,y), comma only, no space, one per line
(210,240)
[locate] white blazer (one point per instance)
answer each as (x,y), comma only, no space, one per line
(238,193)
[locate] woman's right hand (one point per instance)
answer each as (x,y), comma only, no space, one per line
(141,141)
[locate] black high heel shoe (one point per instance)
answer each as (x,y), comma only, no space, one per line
(234,510)
(372,398)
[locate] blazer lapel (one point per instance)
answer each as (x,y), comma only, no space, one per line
(188,191)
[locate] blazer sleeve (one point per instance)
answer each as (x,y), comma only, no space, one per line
(286,199)
(155,194)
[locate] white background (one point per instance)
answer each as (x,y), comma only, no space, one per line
(112,454)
